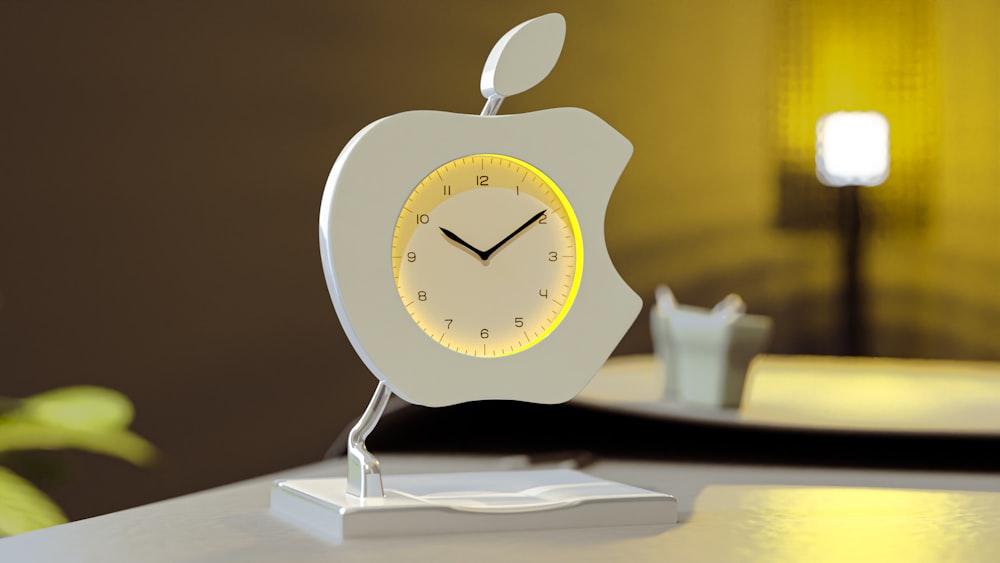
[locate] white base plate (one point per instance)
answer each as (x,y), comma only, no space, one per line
(441,503)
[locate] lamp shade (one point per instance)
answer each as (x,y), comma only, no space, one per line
(852,148)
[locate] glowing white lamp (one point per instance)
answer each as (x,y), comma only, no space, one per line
(852,148)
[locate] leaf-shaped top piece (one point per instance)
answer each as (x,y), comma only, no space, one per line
(524,56)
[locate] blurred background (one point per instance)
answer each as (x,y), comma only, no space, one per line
(161,167)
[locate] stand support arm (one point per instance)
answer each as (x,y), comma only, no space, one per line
(364,477)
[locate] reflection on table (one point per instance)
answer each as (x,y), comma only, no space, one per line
(823,393)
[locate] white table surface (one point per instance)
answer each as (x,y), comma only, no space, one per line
(727,513)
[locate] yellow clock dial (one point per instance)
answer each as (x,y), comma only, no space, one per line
(487,255)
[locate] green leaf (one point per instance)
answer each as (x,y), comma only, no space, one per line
(17,434)
(83,407)
(23,507)
(8,405)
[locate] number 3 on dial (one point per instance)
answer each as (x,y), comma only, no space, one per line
(487,255)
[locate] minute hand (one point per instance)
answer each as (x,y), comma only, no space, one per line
(486,255)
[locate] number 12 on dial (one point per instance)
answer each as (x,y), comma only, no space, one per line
(487,255)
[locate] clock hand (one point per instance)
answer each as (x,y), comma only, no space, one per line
(486,255)
(482,255)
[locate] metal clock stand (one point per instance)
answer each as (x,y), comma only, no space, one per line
(448,503)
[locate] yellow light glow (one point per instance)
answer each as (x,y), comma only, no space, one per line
(852,148)
(892,394)
(818,524)
(479,303)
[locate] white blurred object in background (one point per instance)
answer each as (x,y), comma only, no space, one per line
(705,352)
(852,148)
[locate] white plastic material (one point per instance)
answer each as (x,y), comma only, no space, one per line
(448,503)
(368,186)
(705,352)
(524,56)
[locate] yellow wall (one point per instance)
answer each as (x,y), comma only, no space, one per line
(937,295)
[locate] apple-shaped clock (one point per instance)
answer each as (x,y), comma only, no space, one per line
(465,254)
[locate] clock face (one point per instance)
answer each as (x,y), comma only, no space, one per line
(487,255)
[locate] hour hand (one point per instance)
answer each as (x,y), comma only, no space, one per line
(482,255)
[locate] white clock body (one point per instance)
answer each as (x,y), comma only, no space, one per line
(366,238)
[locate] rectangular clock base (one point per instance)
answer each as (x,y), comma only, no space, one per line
(447,503)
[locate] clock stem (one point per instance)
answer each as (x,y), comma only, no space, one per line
(492,105)
(364,476)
